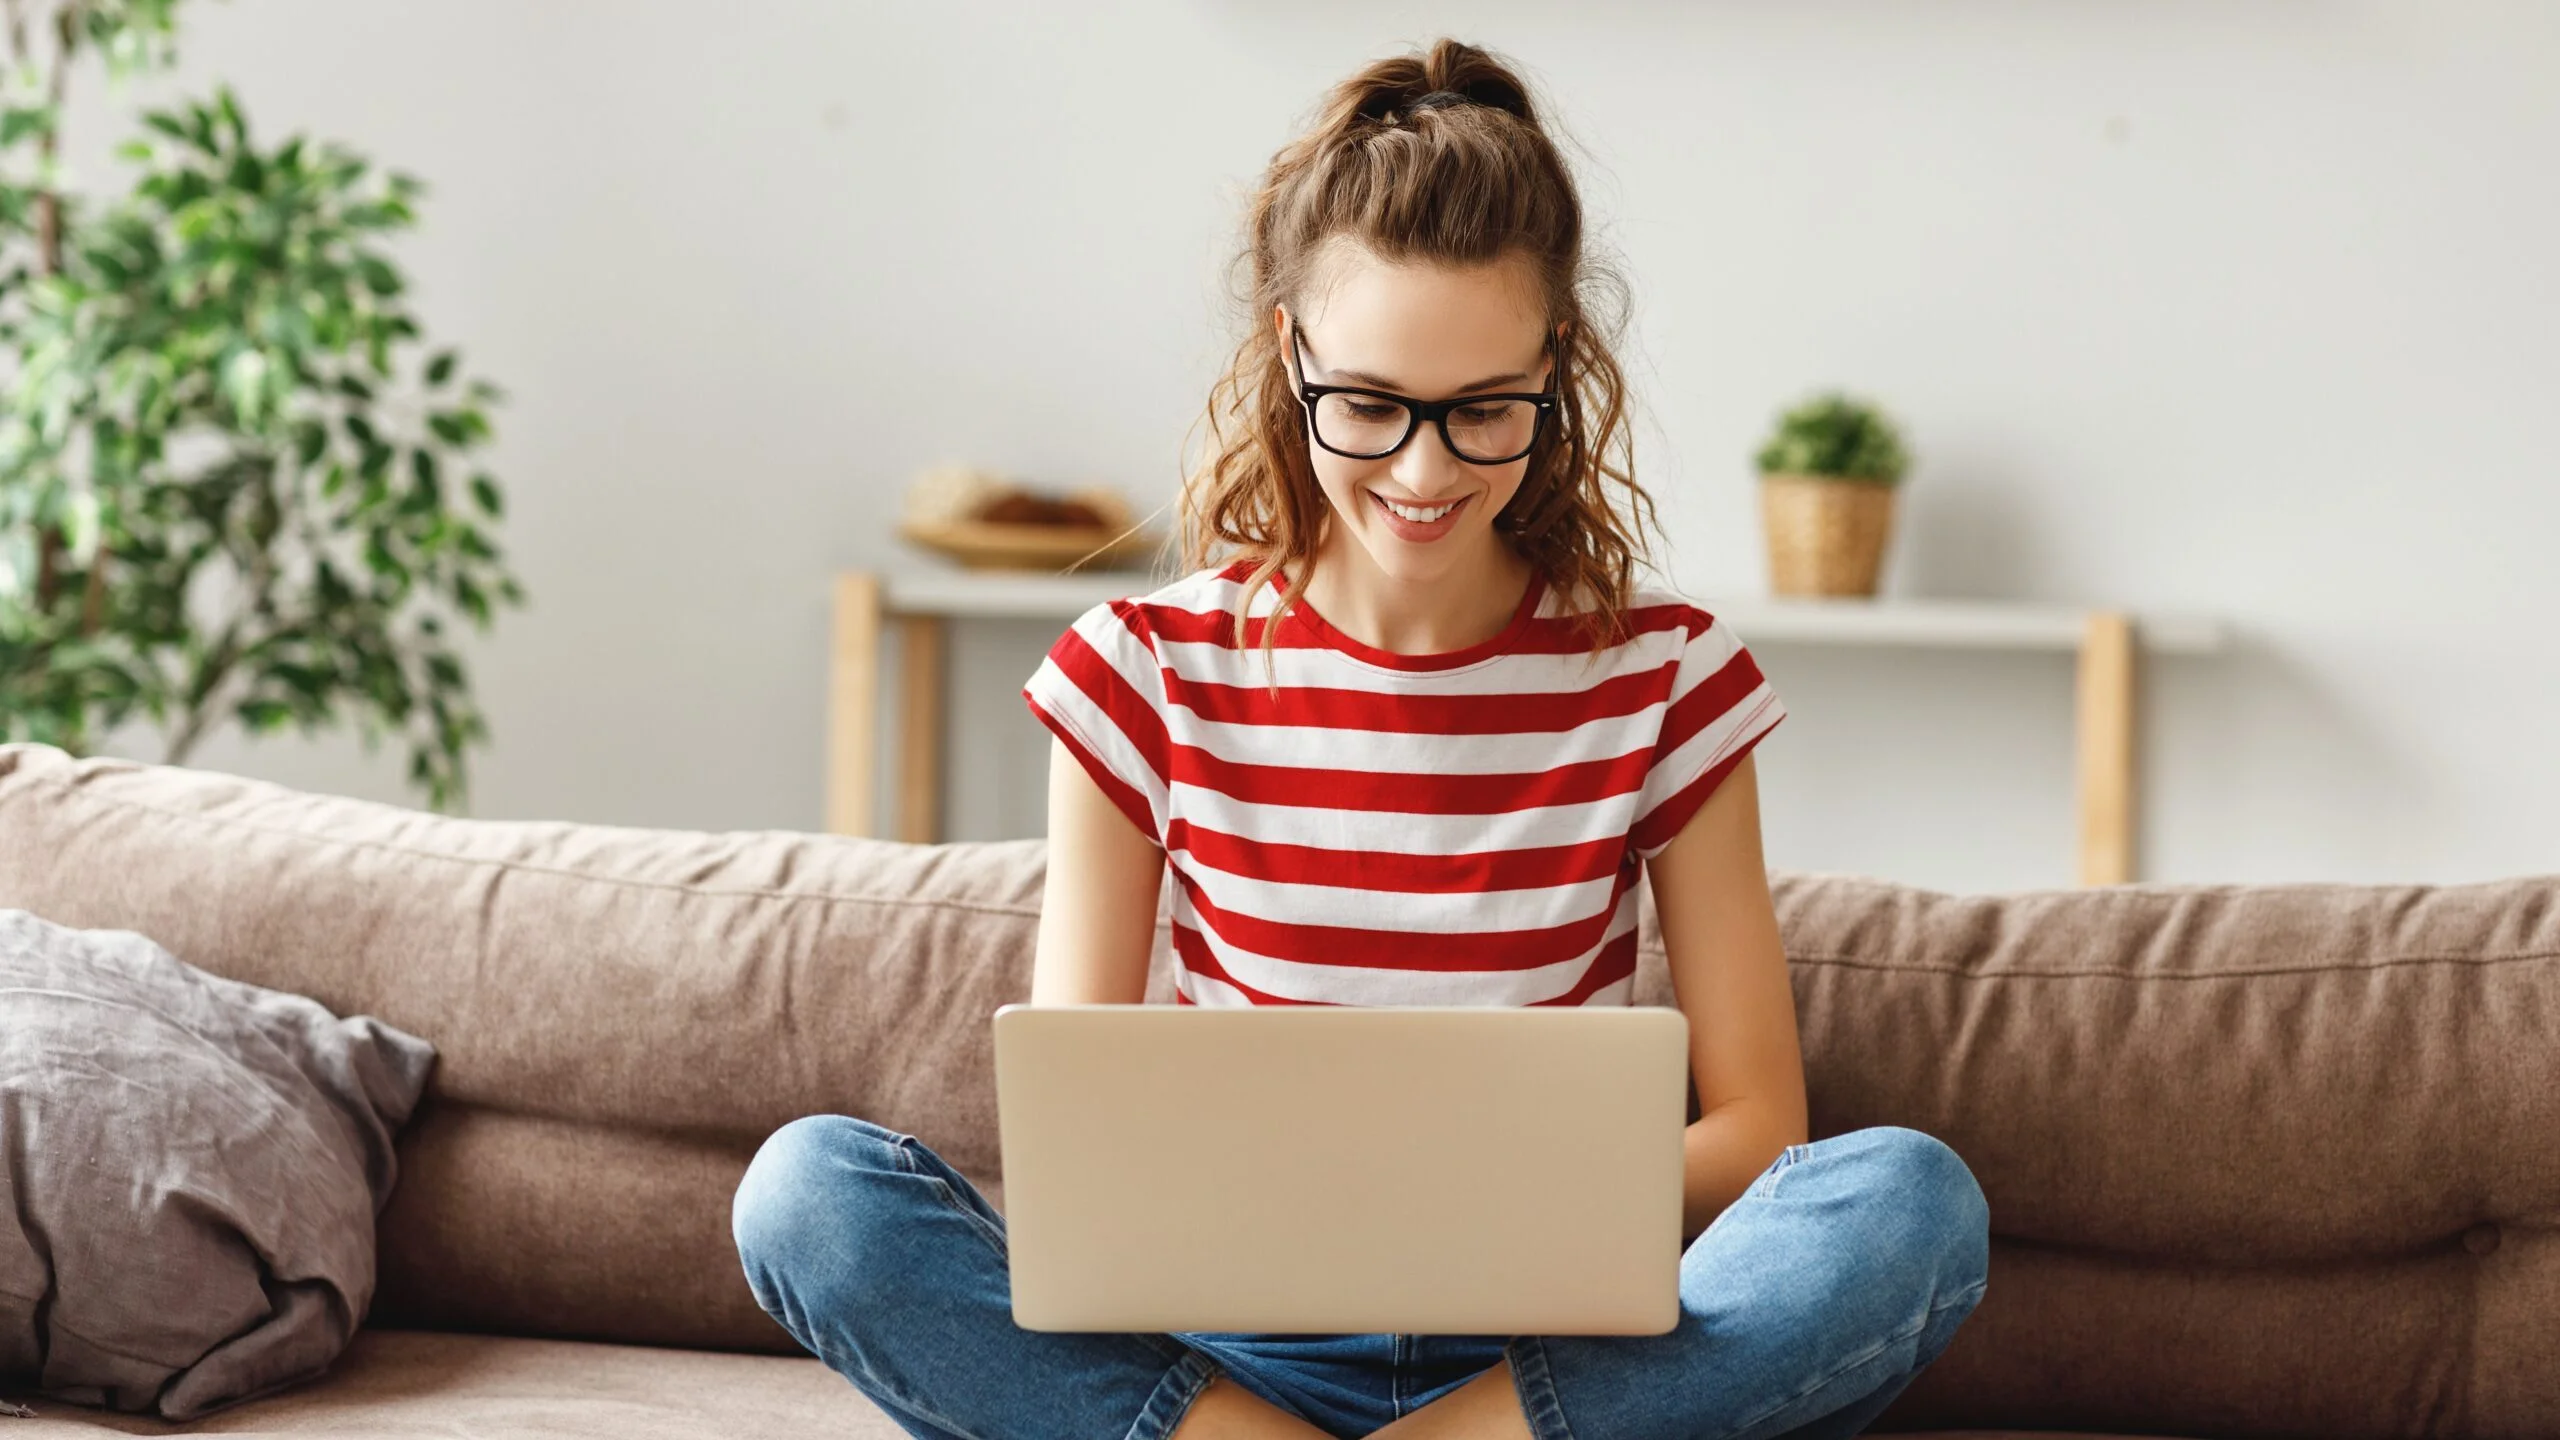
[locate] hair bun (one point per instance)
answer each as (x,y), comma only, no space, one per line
(1452,76)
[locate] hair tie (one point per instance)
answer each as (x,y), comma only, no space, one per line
(1395,112)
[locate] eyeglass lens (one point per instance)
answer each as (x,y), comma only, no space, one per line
(1367,425)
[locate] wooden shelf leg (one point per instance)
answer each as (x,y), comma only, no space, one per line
(921,650)
(2106,749)
(853,704)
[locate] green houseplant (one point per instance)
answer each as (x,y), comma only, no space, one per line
(235,483)
(1828,474)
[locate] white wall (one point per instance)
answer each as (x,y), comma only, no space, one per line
(2248,308)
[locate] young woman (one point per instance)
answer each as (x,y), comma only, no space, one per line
(1409,734)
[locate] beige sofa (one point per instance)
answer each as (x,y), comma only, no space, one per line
(2262,1160)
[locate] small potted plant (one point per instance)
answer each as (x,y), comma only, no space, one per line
(1827,478)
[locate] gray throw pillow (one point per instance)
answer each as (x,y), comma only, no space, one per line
(190,1169)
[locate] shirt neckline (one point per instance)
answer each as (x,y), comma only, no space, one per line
(1527,610)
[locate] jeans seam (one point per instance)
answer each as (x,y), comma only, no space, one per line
(986,1232)
(1767,1184)
(1969,1295)
(1854,1361)
(1535,1386)
(951,1197)
(1174,1395)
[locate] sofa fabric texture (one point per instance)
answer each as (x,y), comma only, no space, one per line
(2263,1159)
(190,1167)
(422,1385)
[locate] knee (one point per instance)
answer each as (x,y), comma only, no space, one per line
(798,1198)
(1930,1208)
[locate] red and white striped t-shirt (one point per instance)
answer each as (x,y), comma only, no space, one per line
(1465,828)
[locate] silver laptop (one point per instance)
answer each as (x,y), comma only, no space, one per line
(1455,1170)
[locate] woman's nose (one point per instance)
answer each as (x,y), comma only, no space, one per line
(1426,468)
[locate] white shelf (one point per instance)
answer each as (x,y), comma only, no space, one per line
(918,603)
(1891,620)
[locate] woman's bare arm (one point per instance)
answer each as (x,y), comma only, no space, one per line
(1729,972)
(1098,913)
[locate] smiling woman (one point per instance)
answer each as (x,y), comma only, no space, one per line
(1411,733)
(1410,248)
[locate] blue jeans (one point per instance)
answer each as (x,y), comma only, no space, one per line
(1805,1307)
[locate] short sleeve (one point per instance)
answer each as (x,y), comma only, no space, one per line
(1101,691)
(1721,706)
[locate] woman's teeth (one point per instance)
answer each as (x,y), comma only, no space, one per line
(1418,514)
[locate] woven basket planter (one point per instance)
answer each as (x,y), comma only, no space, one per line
(1826,535)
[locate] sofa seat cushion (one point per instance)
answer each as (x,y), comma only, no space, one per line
(423,1385)
(428,1385)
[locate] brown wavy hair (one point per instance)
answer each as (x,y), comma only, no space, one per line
(1468,179)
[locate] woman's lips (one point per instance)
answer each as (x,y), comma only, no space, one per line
(1419,531)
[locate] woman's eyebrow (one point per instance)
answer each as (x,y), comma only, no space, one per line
(1383,383)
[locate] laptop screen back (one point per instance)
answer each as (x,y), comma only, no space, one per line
(1337,1169)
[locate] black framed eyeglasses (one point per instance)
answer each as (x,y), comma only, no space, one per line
(1359,423)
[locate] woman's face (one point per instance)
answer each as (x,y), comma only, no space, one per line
(1428,332)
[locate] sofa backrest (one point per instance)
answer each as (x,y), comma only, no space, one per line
(2261,1159)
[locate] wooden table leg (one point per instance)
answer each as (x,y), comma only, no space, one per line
(2106,749)
(853,704)
(921,649)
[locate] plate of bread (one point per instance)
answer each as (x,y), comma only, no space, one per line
(987,521)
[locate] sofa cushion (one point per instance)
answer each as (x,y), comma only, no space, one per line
(420,1385)
(190,1168)
(512,1222)
(411,1385)
(2268,1158)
